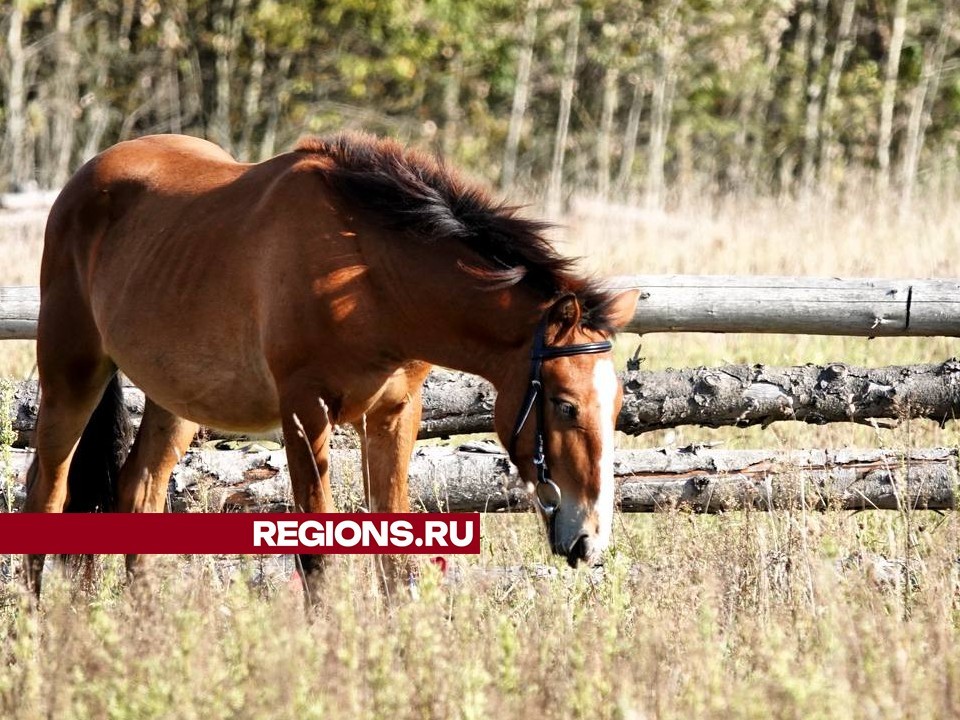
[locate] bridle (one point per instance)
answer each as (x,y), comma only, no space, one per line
(547,493)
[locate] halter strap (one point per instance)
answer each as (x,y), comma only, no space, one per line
(547,492)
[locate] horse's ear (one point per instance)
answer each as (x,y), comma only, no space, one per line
(565,315)
(622,307)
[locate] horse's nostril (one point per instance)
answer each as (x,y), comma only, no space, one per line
(578,551)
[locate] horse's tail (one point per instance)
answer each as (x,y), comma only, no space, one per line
(95,469)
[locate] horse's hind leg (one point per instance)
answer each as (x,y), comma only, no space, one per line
(73,374)
(387,440)
(162,440)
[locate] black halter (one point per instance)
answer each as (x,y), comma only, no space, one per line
(548,494)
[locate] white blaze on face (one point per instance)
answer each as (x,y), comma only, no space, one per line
(605,384)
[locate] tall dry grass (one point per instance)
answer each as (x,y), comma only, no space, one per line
(748,615)
(21,244)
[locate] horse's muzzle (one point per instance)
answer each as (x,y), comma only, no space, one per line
(582,550)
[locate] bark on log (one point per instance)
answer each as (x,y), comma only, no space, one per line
(739,395)
(696,479)
(743,395)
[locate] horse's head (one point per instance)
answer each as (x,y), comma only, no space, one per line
(557,417)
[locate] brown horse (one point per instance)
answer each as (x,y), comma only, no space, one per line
(312,289)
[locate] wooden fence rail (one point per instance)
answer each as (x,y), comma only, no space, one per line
(860,307)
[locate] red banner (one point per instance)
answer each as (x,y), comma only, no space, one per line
(239,533)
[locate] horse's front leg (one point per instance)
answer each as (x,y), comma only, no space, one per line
(161,442)
(306,434)
(388,433)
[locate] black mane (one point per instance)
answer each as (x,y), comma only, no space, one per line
(416,194)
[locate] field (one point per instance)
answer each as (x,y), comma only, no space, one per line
(785,615)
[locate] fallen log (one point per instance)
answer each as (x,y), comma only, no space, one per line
(743,395)
(479,477)
(739,395)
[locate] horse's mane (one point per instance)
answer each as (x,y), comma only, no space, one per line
(416,194)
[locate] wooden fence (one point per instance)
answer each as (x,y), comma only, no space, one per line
(455,403)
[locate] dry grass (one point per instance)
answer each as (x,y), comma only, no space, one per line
(747,615)
(784,615)
(21,243)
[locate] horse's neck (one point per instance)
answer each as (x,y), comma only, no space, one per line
(487,338)
(450,319)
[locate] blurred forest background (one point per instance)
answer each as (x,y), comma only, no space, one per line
(625,101)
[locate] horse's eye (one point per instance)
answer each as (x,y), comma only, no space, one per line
(566,410)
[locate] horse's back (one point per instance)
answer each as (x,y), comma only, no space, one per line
(146,238)
(107,187)
(167,163)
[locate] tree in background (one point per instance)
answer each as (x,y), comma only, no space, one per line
(632,102)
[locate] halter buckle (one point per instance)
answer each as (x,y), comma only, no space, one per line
(548,496)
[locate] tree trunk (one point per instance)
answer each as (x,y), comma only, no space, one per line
(555,187)
(251,99)
(739,395)
(911,145)
(191,106)
(811,129)
(828,149)
(630,140)
(277,104)
(669,37)
(610,98)
(794,101)
(228,22)
(127,10)
(889,94)
(65,97)
(765,98)
(520,93)
(171,76)
(924,97)
(99,113)
(476,478)
(451,106)
(946,29)
(14,141)
(659,113)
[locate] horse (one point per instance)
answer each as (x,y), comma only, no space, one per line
(312,289)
